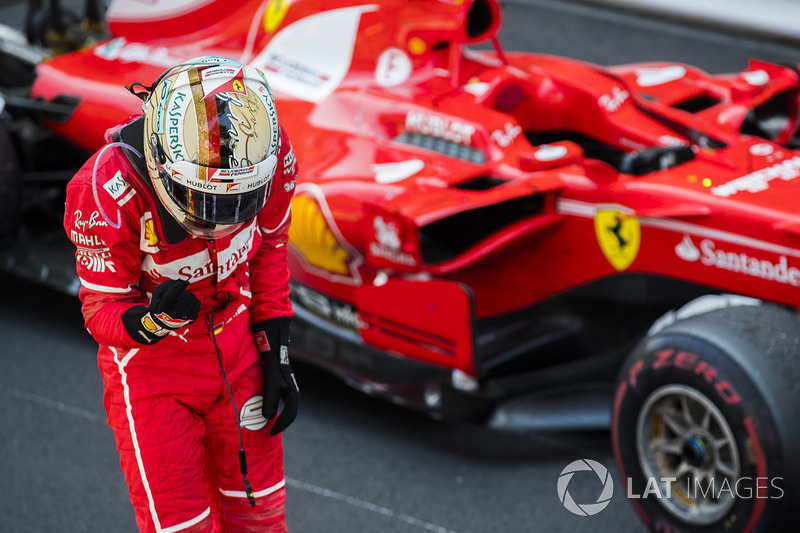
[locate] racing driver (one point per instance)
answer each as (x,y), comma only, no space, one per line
(180,224)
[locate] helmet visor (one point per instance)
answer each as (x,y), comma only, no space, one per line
(216,195)
(217,208)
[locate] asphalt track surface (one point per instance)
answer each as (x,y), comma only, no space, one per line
(353,463)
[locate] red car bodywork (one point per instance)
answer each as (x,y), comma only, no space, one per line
(447,196)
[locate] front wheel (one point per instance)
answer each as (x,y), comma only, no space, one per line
(705,430)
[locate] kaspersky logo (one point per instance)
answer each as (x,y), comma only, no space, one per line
(711,255)
(759,180)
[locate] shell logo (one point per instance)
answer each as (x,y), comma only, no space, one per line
(150,233)
(148,323)
(310,234)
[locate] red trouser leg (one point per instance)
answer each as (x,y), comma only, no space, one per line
(269,515)
(264,452)
(159,438)
(177,435)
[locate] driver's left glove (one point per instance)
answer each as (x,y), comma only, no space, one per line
(272,341)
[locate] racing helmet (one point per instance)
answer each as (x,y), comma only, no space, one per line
(211,144)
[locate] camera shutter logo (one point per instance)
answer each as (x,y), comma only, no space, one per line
(585,509)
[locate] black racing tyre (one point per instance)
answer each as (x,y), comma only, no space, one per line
(10,185)
(714,396)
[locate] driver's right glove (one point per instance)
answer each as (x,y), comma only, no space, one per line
(171,307)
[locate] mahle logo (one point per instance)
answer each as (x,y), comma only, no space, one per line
(585,509)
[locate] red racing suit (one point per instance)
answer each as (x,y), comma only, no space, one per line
(167,403)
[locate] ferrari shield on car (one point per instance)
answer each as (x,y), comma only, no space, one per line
(519,240)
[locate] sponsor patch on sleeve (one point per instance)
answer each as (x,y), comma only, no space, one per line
(289,161)
(148,238)
(119,189)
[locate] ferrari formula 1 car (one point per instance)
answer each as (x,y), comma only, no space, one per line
(513,239)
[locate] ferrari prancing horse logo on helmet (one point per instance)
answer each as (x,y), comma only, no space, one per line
(619,236)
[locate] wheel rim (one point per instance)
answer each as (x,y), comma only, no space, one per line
(681,434)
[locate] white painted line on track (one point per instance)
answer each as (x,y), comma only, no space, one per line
(367,506)
(54,404)
(308,487)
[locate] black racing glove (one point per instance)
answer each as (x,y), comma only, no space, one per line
(171,308)
(272,340)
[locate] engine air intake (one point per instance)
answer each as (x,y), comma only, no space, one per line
(480,19)
(442,146)
(480,183)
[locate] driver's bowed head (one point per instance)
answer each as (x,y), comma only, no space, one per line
(211,143)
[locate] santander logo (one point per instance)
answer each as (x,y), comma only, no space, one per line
(710,255)
(686,250)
